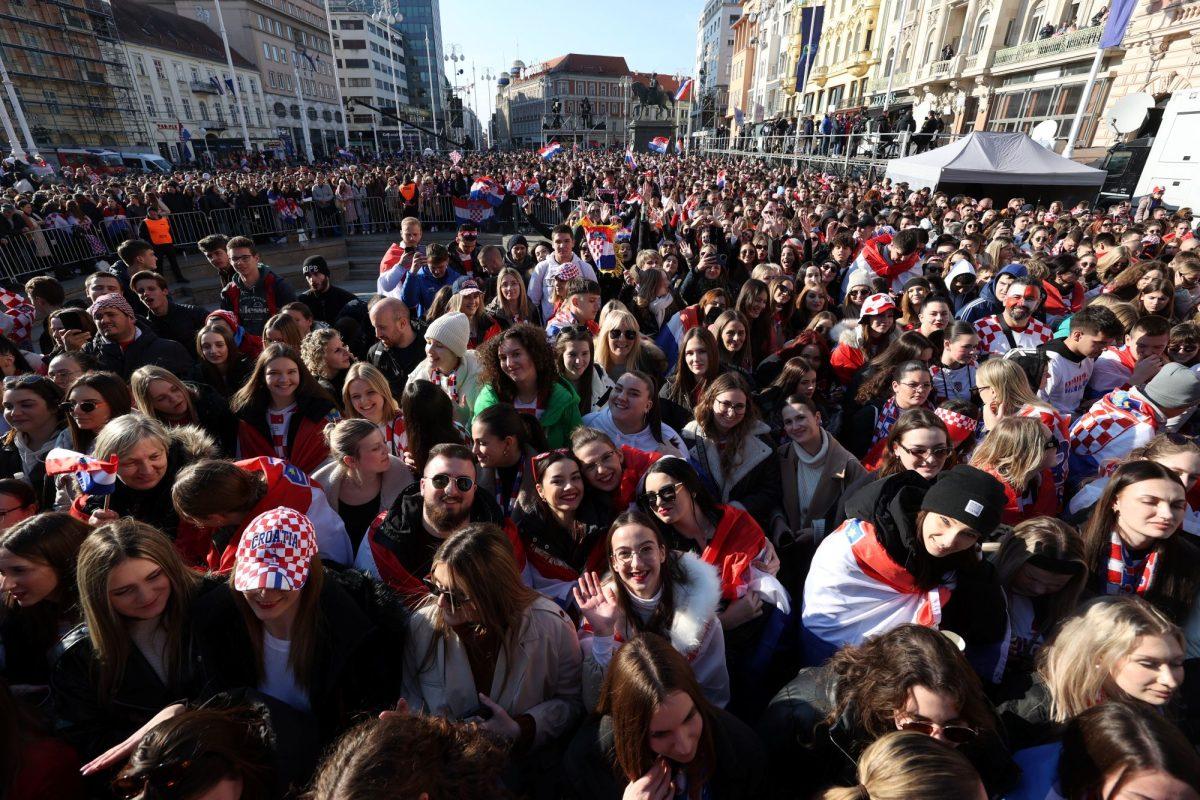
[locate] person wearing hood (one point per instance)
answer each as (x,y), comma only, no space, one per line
(399,546)
(960,281)
(247,343)
(1064,291)
(123,344)
(908,553)
(517,254)
(450,365)
(991,296)
(1128,418)
(897,258)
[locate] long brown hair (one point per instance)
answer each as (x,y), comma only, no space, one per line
(308,629)
(101,552)
(255,394)
(642,674)
(914,419)
(729,445)
(878,386)
(671,573)
(683,390)
(116,394)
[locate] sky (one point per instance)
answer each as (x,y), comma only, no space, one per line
(654,36)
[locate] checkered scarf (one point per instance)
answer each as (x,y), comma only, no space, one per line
(447,382)
(1123,580)
(886,419)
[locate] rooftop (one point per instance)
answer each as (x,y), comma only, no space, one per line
(145,25)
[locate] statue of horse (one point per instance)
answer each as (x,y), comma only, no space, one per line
(651,97)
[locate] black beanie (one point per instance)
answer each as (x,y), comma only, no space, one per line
(319,262)
(968,495)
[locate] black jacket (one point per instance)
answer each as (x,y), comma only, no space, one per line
(360,641)
(11,466)
(396,363)
(179,324)
(326,306)
(806,753)
(147,348)
(741,764)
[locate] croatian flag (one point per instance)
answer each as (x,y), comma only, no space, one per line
(659,144)
(487,190)
(600,241)
(94,477)
(685,86)
(476,211)
(549,151)
(455,157)
(721,179)
(629,162)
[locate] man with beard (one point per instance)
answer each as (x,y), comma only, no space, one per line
(399,546)
(123,344)
(1015,326)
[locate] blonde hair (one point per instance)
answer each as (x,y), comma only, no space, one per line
(283,324)
(618,320)
(909,766)
(362,371)
(125,433)
(1126,312)
(312,350)
(1013,449)
(1078,664)
(1009,382)
(140,383)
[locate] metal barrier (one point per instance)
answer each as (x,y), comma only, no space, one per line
(837,153)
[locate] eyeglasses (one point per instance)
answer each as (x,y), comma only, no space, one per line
(724,406)
(854,292)
(461,482)
(624,556)
(470,237)
(607,458)
(162,778)
(667,494)
(236,259)
(617,334)
(955,734)
(913,386)
(922,453)
(455,599)
(84,406)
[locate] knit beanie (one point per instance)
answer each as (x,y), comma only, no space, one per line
(858,278)
(1175,386)
(968,495)
(317,262)
(115,300)
(453,330)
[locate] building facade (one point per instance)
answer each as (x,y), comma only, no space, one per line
(742,63)
(288,42)
(71,76)
(838,78)
(421,25)
(714,55)
(183,79)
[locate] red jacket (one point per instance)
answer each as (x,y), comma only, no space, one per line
(846,360)
(1045,502)
(305,445)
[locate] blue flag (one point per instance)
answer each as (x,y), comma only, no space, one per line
(1119,14)
(811,20)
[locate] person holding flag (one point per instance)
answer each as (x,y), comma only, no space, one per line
(401,260)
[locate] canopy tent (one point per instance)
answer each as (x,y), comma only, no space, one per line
(1000,166)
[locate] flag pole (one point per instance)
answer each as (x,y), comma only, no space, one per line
(1077,122)
(237,93)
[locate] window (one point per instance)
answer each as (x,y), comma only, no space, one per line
(258,112)
(168,106)
(149,100)
(141,66)
(217,107)
(203,111)
(51,99)
(195,75)
(1035,21)
(187,107)
(352,25)
(267,52)
(354,44)
(178,70)
(981,32)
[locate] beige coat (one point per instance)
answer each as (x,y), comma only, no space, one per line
(841,475)
(395,480)
(543,680)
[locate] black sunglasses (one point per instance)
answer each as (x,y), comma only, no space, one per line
(84,406)
(667,494)
(162,778)
(956,734)
(461,482)
(456,598)
(616,334)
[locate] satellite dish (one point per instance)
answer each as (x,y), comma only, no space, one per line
(1127,114)
(921,111)
(1044,133)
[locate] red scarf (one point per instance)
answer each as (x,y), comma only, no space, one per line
(1117,575)
(879,263)
(876,564)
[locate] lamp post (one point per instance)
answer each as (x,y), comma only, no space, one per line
(237,92)
(337,75)
(455,57)
(308,149)
(392,20)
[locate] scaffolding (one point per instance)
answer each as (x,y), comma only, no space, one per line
(68,64)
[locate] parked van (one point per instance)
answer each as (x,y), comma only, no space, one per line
(1164,155)
(146,162)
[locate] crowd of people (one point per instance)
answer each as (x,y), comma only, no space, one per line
(744,482)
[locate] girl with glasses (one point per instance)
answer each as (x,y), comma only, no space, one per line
(904,542)
(561,530)
(731,448)
(651,589)
(1020,452)
(911,678)
(486,648)
(910,388)
(1112,649)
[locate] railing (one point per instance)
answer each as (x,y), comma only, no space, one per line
(843,154)
(880,84)
(1054,46)
(970,62)
(80,247)
(203,86)
(939,69)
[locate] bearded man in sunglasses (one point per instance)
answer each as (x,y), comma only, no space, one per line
(398,549)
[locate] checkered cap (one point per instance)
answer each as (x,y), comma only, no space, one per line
(877,304)
(960,426)
(275,551)
(568,272)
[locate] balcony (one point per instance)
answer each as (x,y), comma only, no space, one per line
(880,84)
(939,70)
(1049,49)
(819,75)
(204,86)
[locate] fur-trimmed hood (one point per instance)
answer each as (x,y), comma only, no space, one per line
(193,441)
(696,601)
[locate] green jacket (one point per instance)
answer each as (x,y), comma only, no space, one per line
(559,419)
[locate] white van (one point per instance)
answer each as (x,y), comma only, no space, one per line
(146,162)
(1174,160)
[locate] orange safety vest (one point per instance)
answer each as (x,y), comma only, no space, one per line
(160,230)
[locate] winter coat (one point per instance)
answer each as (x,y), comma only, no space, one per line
(694,631)
(154,507)
(559,418)
(741,764)
(754,483)
(147,349)
(542,679)
(986,304)
(841,476)
(397,478)
(807,753)
(358,647)
(305,445)
(17,461)
(556,558)
(466,383)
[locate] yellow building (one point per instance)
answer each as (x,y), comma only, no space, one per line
(839,76)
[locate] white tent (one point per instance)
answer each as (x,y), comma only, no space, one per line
(985,158)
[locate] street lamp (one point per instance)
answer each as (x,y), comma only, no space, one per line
(392,20)
(455,57)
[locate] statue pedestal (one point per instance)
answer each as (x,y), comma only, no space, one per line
(643,130)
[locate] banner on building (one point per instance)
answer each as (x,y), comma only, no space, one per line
(811,20)
(1119,14)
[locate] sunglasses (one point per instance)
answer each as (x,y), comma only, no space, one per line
(955,734)
(455,599)
(925,452)
(163,779)
(461,482)
(667,494)
(83,406)
(617,334)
